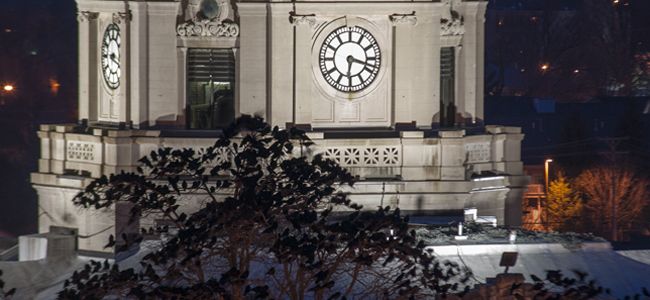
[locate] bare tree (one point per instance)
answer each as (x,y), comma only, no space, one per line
(631,197)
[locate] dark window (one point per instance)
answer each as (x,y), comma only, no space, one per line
(447,83)
(211,84)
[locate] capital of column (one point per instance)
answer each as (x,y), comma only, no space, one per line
(84,16)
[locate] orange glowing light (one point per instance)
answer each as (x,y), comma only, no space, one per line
(8,88)
(54,86)
(544,67)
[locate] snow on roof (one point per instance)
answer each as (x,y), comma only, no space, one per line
(620,273)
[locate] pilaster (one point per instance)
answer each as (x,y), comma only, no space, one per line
(87,66)
(403,52)
(451,155)
(303,30)
(253,64)
(281,54)
(139,83)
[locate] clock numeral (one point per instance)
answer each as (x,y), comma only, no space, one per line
(339,79)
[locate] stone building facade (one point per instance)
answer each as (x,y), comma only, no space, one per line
(391,90)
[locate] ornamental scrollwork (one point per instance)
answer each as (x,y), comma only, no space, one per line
(120,17)
(84,16)
(207,28)
(403,19)
(452,22)
(303,19)
(208,18)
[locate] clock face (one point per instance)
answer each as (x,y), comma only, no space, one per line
(111,56)
(349,59)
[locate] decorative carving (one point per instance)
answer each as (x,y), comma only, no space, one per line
(120,17)
(207,28)
(451,22)
(82,151)
(478,152)
(303,19)
(364,156)
(223,155)
(403,19)
(83,16)
(202,23)
(195,13)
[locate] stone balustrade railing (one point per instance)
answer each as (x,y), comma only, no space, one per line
(92,152)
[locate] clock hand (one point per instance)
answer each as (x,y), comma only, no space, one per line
(361,62)
(350,59)
(117,62)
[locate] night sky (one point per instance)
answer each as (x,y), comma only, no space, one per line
(38,57)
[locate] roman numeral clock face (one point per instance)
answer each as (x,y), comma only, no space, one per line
(111,56)
(349,59)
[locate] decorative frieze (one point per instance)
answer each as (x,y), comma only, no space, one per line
(377,156)
(207,28)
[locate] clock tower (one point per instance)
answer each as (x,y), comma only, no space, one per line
(391,90)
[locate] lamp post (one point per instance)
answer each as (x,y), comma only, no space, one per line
(546,182)
(546,172)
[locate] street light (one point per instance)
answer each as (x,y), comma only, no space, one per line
(548,160)
(546,172)
(8,88)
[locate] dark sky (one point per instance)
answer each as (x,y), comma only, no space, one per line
(38,57)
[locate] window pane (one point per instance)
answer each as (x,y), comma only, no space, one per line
(211,76)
